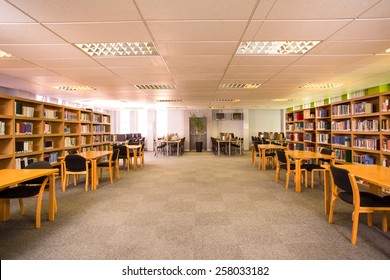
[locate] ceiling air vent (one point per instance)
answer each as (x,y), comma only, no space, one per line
(168,100)
(226,100)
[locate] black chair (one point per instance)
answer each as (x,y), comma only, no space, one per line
(31,188)
(268,154)
(286,164)
(345,187)
(123,155)
(316,167)
(160,147)
(76,165)
(112,164)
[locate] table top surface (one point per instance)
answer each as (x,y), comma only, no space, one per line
(372,173)
(134,146)
(307,154)
(11,177)
(94,154)
(270,146)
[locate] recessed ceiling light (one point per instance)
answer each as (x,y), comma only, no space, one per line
(281,99)
(150,87)
(75,88)
(334,85)
(218,107)
(226,100)
(119,49)
(239,86)
(275,47)
(3,54)
(387,51)
(168,100)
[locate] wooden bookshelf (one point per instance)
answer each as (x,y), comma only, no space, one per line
(357,129)
(31,130)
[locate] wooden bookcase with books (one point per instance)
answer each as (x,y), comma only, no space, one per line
(309,129)
(357,129)
(295,133)
(31,130)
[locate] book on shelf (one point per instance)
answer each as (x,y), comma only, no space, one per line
(50,113)
(362,108)
(48,144)
(2,128)
(23,128)
(385,105)
(51,157)
(21,163)
(363,159)
(25,146)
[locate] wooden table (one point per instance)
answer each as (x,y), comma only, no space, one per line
(134,148)
(94,156)
(177,142)
(229,141)
(11,177)
(263,148)
(298,156)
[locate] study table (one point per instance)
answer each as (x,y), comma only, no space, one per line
(11,177)
(175,141)
(135,148)
(229,141)
(94,156)
(298,156)
(263,148)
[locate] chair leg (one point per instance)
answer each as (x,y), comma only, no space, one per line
(331,210)
(277,175)
(384,221)
(369,219)
(86,181)
(21,206)
(287,179)
(355,224)
(111,181)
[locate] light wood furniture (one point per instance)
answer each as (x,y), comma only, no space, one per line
(112,164)
(283,162)
(363,202)
(12,177)
(35,130)
(177,142)
(76,165)
(134,149)
(263,148)
(298,156)
(356,128)
(94,156)
(229,142)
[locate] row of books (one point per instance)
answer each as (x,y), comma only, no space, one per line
(99,128)
(25,111)
(50,113)
(85,117)
(322,113)
(362,108)
(341,110)
(385,125)
(385,105)
(2,128)
(96,118)
(341,140)
(309,113)
(298,116)
(386,162)
(70,141)
(365,125)
(309,137)
(25,146)
(386,145)
(21,163)
(367,143)
(323,125)
(363,159)
(323,138)
(71,116)
(343,155)
(67,129)
(309,126)
(289,127)
(344,125)
(85,128)
(51,157)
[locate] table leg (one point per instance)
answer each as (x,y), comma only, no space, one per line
(93,174)
(327,191)
(253,155)
(219,149)
(229,148)
(4,209)
(298,175)
(263,159)
(52,197)
(136,159)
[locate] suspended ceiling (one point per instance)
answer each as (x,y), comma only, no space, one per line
(196,41)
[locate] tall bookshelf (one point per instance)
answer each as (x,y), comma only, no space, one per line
(357,129)
(31,130)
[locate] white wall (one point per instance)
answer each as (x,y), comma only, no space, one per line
(265,120)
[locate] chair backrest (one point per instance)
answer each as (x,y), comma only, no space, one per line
(326,151)
(115,154)
(255,143)
(341,178)
(281,155)
(37,165)
(75,162)
(122,151)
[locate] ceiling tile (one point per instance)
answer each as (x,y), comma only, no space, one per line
(130,61)
(9,13)
(197,48)
(364,29)
(381,10)
(350,48)
(43,51)
(205,60)
(27,33)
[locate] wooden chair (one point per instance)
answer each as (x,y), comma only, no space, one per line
(140,156)
(345,187)
(31,188)
(112,164)
(316,167)
(283,163)
(76,165)
(269,155)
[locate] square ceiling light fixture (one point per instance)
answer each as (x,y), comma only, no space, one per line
(119,49)
(152,87)
(321,86)
(275,47)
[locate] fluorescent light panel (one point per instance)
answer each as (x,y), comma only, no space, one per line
(119,49)
(168,100)
(275,47)
(281,99)
(151,87)
(334,85)
(226,100)
(239,86)
(75,88)
(3,54)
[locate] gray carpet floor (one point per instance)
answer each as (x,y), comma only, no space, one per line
(197,206)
